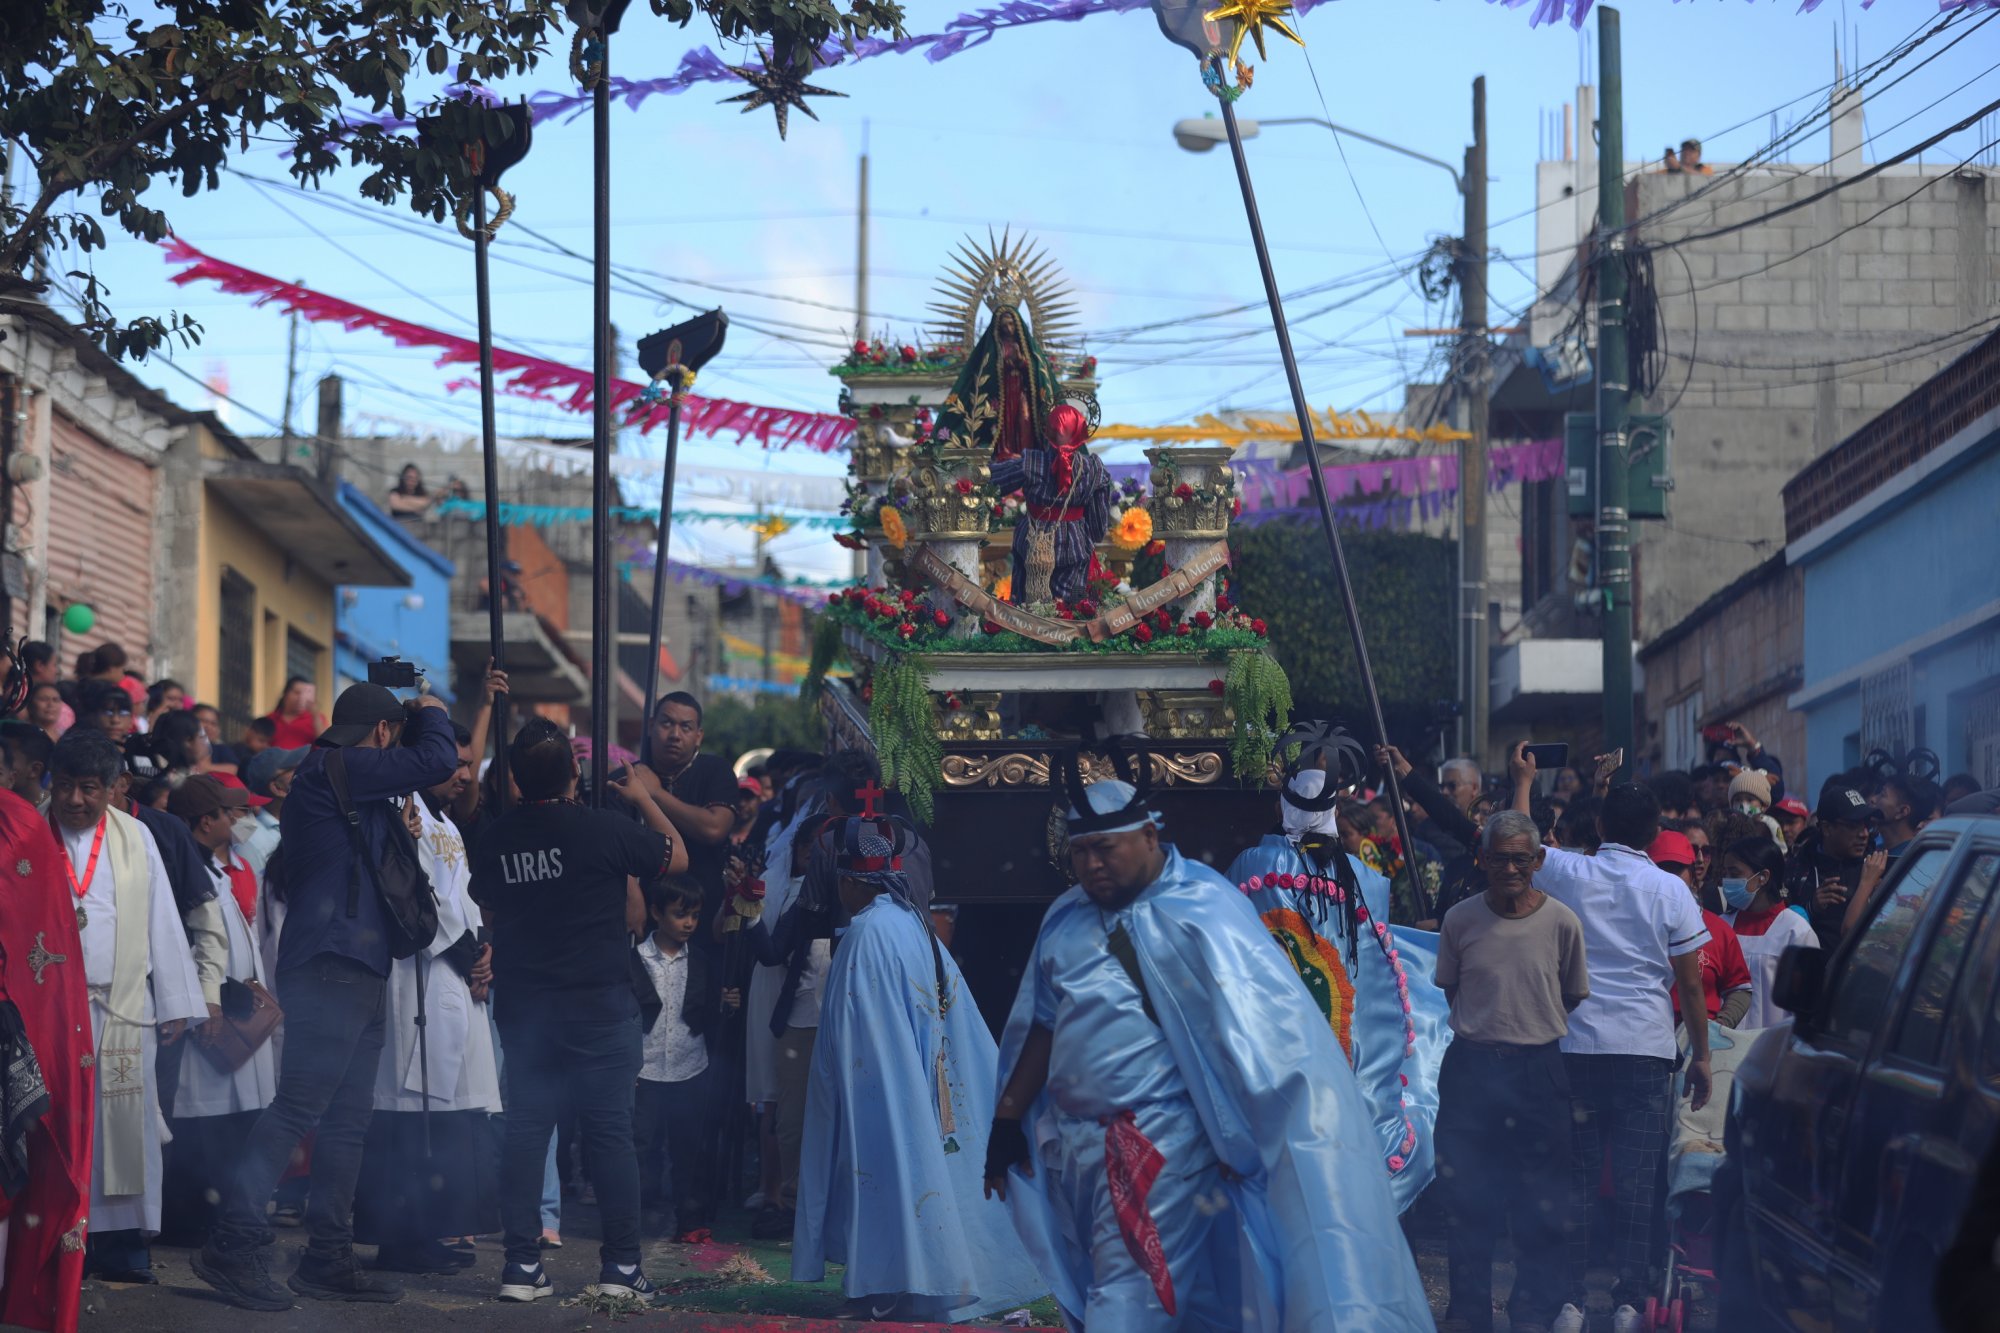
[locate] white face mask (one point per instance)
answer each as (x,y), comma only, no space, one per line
(1750,808)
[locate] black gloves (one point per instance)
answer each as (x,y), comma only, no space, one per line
(1006,1146)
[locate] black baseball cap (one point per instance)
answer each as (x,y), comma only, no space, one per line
(357,710)
(1844,805)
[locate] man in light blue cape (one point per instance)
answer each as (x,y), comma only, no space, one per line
(902,1078)
(1179,1136)
(1330,914)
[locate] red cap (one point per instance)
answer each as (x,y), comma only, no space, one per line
(1671,848)
(1793,806)
(234,783)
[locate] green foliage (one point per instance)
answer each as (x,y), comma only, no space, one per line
(1402,583)
(1257,691)
(826,650)
(903,722)
(731,724)
(111,105)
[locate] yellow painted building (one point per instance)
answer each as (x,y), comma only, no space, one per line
(270,549)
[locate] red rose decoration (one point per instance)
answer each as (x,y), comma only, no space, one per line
(1184,491)
(1161,620)
(1215,687)
(909,355)
(1182,631)
(1142,633)
(906,629)
(907,597)
(999,511)
(1235,508)
(833,599)
(1203,620)
(951,702)
(964,486)
(943,620)
(1156,548)
(989,627)
(1086,608)
(1258,628)
(861,349)
(1222,602)
(875,411)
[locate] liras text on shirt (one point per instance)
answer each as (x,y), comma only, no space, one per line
(531,867)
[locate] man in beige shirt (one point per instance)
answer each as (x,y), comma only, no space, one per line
(1511,964)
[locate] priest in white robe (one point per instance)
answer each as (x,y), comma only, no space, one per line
(215,1107)
(421,1184)
(143,991)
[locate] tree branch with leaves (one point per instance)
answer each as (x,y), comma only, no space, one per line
(106,106)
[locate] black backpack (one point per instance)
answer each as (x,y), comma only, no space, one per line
(409,905)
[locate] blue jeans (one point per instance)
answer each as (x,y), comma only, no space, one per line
(551,1191)
(334,1009)
(554,1066)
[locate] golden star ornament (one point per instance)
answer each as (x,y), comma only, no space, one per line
(779,88)
(1252,17)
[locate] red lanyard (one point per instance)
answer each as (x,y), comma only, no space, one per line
(82,886)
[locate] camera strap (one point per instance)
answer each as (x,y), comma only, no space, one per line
(336,776)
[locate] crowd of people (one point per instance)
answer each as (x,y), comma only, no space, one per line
(336,973)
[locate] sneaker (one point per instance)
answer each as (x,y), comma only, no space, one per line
(1569,1320)
(629,1283)
(341,1278)
(242,1276)
(754,1202)
(288,1215)
(1626,1319)
(524,1282)
(550,1240)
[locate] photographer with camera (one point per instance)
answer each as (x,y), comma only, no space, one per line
(332,974)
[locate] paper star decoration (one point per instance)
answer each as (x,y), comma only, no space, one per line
(1252,17)
(781,89)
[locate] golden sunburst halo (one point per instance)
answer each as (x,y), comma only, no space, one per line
(1252,17)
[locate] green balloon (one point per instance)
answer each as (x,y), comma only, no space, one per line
(78,618)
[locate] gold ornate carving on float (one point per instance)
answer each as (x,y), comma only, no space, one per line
(1031,769)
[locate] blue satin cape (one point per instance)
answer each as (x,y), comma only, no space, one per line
(886,1185)
(1317,1231)
(1404,1115)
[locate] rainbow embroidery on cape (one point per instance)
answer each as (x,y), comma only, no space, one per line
(1318,964)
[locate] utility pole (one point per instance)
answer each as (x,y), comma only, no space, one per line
(861,246)
(1614,530)
(291,377)
(1474,364)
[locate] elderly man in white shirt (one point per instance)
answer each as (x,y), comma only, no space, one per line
(1642,933)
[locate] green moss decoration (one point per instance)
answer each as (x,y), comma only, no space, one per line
(904,724)
(1258,692)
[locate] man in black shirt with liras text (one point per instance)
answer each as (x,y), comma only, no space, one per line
(560,885)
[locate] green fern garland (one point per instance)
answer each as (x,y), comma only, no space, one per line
(826,649)
(905,726)
(1257,691)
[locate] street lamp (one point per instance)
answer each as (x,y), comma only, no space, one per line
(1200,135)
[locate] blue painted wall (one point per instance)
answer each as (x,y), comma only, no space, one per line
(1921,561)
(412,623)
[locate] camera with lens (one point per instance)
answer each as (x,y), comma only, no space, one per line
(396,674)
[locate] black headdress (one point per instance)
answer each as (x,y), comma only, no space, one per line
(1345,763)
(1134,769)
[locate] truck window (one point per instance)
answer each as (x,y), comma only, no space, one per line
(1861,994)
(1922,1036)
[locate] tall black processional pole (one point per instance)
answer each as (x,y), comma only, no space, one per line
(490,148)
(1196,27)
(590,61)
(670,358)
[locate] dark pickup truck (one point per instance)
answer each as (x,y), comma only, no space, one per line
(1856,1133)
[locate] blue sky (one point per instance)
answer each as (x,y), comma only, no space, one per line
(1062,129)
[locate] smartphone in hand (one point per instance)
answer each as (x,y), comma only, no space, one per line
(1548,758)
